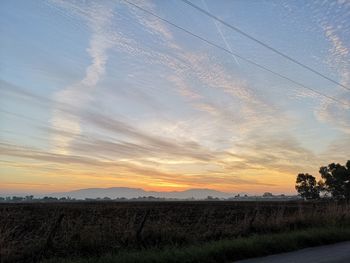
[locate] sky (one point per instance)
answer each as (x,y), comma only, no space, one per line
(103,94)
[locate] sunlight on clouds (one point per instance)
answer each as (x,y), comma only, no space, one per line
(156,109)
(169,186)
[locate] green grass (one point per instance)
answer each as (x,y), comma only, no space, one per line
(224,250)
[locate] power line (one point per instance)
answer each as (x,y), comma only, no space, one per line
(264,44)
(237,55)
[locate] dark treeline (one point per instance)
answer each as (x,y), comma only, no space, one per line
(335,183)
(31,198)
(49,199)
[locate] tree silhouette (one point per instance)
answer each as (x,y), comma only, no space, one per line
(307,186)
(337,180)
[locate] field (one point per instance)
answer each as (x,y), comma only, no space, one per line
(31,232)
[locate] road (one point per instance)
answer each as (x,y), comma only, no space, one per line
(336,253)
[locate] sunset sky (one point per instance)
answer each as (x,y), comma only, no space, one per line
(102,94)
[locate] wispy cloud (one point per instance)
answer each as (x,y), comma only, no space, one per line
(153,108)
(339,56)
(128,171)
(98,18)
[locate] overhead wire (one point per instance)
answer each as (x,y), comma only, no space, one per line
(238,55)
(264,44)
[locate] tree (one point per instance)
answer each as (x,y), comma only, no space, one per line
(29,197)
(267,194)
(337,180)
(307,186)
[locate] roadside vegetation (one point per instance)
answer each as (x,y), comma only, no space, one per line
(224,250)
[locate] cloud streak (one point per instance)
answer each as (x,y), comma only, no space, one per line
(98,18)
(339,55)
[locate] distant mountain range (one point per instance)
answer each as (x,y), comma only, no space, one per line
(118,192)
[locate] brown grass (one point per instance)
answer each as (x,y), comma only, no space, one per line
(29,232)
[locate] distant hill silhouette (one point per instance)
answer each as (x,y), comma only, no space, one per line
(118,192)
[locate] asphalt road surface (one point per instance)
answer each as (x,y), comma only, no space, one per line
(336,253)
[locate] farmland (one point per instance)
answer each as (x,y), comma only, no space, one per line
(30,232)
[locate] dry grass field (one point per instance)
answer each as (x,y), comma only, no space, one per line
(30,232)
